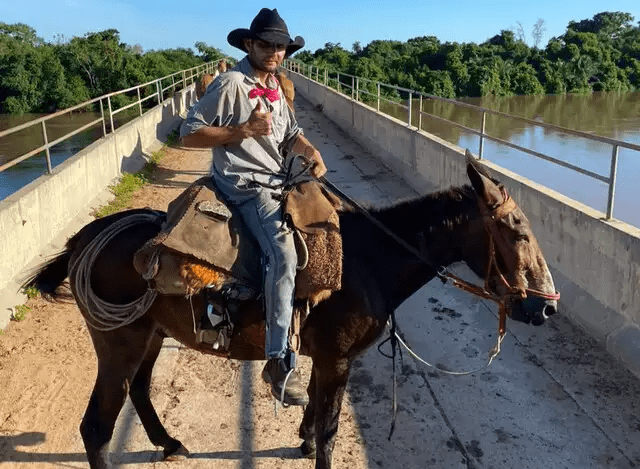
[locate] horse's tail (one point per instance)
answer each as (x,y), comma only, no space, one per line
(50,275)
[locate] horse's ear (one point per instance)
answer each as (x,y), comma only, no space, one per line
(482,183)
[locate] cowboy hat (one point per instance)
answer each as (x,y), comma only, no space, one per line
(269,27)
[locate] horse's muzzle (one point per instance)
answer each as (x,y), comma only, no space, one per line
(533,310)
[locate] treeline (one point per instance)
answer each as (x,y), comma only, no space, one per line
(598,54)
(36,76)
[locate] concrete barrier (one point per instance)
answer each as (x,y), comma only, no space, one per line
(38,217)
(595,263)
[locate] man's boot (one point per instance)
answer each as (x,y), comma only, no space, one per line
(278,372)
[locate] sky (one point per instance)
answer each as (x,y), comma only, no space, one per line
(164,24)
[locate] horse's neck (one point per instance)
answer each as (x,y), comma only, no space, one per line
(441,226)
(437,219)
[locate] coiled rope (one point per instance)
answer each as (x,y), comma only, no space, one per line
(101,315)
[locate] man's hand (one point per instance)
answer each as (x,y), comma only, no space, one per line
(318,169)
(303,147)
(259,123)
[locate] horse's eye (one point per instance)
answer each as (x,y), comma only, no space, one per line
(522,237)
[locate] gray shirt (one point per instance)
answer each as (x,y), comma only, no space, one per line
(241,169)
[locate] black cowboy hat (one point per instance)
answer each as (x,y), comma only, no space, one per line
(269,27)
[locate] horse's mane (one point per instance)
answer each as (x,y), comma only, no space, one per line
(445,208)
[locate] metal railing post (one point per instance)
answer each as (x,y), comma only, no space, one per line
(378,97)
(612,181)
(338,82)
(139,101)
(326,77)
(110,114)
(358,89)
(353,86)
(420,115)
(482,128)
(46,150)
(104,123)
(158,91)
(410,107)
(184,80)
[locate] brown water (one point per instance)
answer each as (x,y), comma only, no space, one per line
(613,115)
(26,140)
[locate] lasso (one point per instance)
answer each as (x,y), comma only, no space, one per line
(101,315)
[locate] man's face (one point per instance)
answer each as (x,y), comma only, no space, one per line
(265,56)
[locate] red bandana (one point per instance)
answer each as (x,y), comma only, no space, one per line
(271,95)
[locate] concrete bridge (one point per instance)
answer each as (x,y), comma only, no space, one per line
(560,396)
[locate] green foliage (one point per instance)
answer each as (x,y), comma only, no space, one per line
(208,53)
(19,312)
(41,77)
(130,183)
(597,54)
(31,292)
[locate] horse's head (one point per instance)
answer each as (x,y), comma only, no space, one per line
(202,83)
(516,269)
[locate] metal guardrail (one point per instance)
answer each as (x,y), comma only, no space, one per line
(354,89)
(186,77)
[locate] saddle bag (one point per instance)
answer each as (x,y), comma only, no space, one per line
(202,244)
(311,209)
(198,245)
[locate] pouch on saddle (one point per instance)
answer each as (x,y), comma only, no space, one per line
(203,244)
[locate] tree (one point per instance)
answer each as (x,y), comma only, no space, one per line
(208,53)
(21,33)
(538,31)
(607,24)
(520,32)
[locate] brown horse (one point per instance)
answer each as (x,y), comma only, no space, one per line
(205,80)
(478,224)
(287,87)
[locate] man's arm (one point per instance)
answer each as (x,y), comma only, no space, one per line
(259,124)
(303,147)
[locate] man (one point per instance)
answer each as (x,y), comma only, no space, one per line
(246,120)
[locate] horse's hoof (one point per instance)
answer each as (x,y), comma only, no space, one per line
(179,453)
(308,449)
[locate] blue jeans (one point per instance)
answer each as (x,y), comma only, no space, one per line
(263,216)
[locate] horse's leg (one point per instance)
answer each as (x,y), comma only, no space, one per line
(331,382)
(120,353)
(139,394)
(307,429)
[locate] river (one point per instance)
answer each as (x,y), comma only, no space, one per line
(614,115)
(26,140)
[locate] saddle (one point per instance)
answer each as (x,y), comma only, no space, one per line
(204,244)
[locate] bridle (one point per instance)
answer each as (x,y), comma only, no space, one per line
(490,219)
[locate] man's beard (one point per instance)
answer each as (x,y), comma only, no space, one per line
(263,68)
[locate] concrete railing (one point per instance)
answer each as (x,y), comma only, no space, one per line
(39,212)
(595,262)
